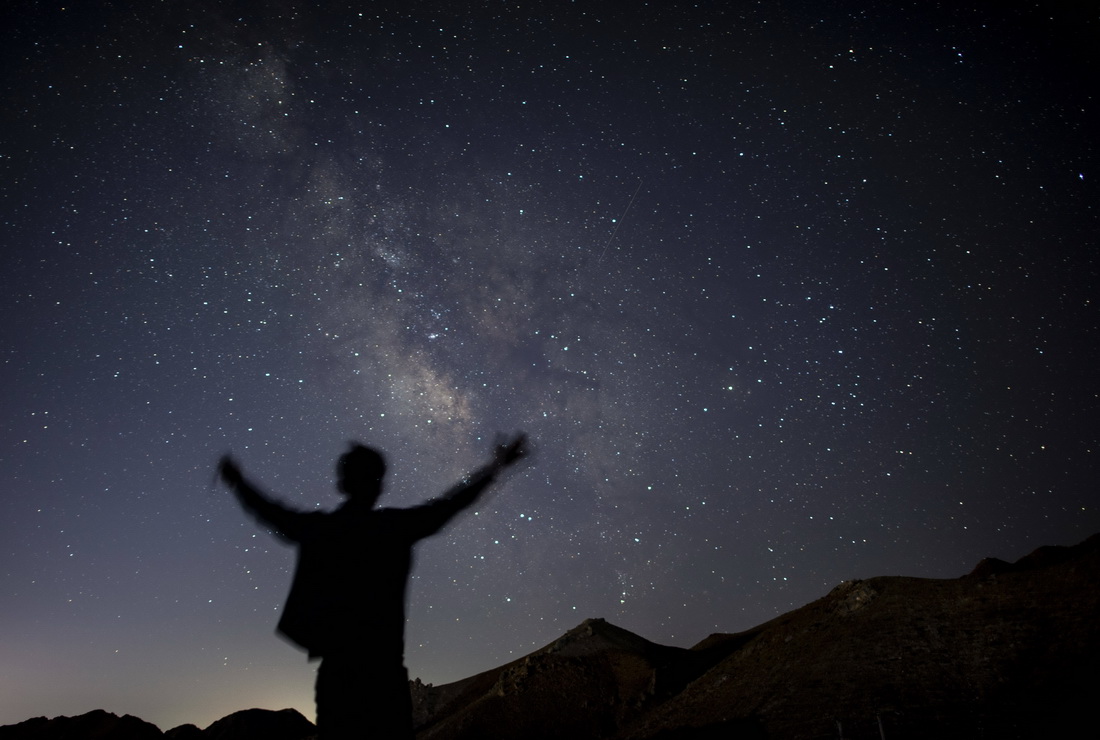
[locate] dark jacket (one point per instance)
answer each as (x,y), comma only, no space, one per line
(348,592)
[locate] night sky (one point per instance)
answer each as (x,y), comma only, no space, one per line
(784,293)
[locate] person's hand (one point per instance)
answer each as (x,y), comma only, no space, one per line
(510,452)
(229,471)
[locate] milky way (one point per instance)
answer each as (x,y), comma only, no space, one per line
(784,297)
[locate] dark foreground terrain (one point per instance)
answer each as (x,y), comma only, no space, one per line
(1009,651)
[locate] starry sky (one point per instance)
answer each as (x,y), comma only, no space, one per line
(784,293)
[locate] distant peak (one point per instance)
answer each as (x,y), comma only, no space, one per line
(595,635)
(1040,557)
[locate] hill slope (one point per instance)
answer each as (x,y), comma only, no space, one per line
(1008,651)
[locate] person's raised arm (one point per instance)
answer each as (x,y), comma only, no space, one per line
(505,455)
(254,501)
(467,491)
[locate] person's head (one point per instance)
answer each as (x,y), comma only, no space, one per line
(359,473)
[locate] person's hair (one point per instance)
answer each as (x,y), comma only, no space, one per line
(368,461)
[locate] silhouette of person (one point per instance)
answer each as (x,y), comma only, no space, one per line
(347,599)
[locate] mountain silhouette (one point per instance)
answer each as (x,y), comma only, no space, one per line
(97,724)
(1004,654)
(1007,651)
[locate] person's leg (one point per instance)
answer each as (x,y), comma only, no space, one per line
(358,698)
(333,694)
(393,720)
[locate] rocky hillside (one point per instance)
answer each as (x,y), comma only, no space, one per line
(1008,651)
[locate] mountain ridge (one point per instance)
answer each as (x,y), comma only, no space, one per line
(1007,650)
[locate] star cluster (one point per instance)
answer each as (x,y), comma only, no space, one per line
(784,295)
